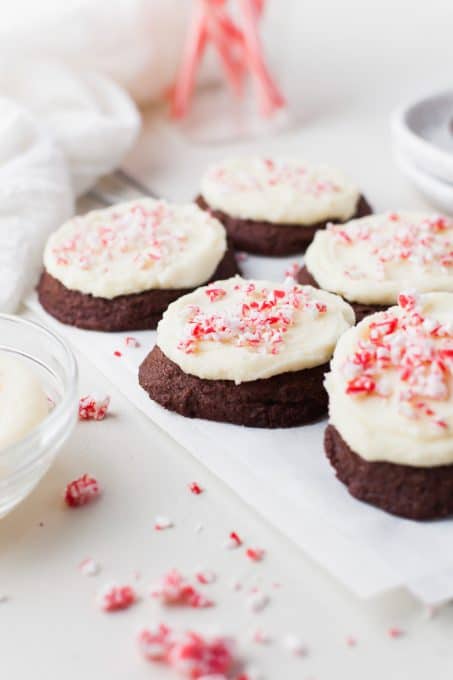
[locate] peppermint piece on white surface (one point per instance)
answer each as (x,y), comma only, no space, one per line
(255,554)
(233,541)
(81,491)
(205,576)
(161,523)
(257,601)
(115,597)
(93,407)
(130,341)
(295,645)
(89,567)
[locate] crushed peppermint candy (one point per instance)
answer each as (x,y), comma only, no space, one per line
(81,491)
(255,554)
(89,567)
(161,523)
(262,174)
(259,320)
(115,597)
(174,589)
(130,341)
(394,633)
(295,645)
(257,601)
(93,407)
(234,541)
(205,576)
(292,271)
(195,488)
(191,654)
(117,353)
(425,244)
(142,232)
(417,349)
(261,638)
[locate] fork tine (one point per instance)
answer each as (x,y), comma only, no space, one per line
(123,176)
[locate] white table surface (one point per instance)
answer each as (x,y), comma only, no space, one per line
(50,627)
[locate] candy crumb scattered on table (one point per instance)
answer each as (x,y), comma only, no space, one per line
(92,407)
(257,601)
(205,576)
(116,597)
(233,541)
(175,589)
(295,645)
(161,523)
(88,567)
(190,653)
(130,341)
(81,491)
(195,488)
(255,554)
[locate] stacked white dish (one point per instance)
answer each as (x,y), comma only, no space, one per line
(423,146)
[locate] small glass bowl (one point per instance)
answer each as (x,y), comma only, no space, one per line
(24,463)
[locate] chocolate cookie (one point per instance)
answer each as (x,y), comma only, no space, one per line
(413,492)
(361,310)
(268,238)
(137,311)
(284,400)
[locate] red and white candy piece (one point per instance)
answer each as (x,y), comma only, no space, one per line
(174,589)
(294,644)
(162,522)
(81,491)
(233,541)
(191,654)
(89,567)
(257,601)
(92,407)
(116,597)
(255,554)
(130,341)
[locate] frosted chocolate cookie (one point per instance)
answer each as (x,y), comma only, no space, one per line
(118,269)
(275,207)
(390,437)
(246,352)
(368,261)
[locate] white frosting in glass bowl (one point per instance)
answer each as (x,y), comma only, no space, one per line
(279,191)
(136,246)
(246,330)
(23,401)
(370,260)
(391,387)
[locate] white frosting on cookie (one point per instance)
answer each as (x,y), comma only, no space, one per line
(390,385)
(371,259)
(280,191)
(136,246)
(23,402)
(245,330)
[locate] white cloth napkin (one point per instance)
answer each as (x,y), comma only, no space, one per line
(136,43)
(59,132)
(65,119)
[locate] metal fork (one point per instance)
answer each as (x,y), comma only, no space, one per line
(116,187)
